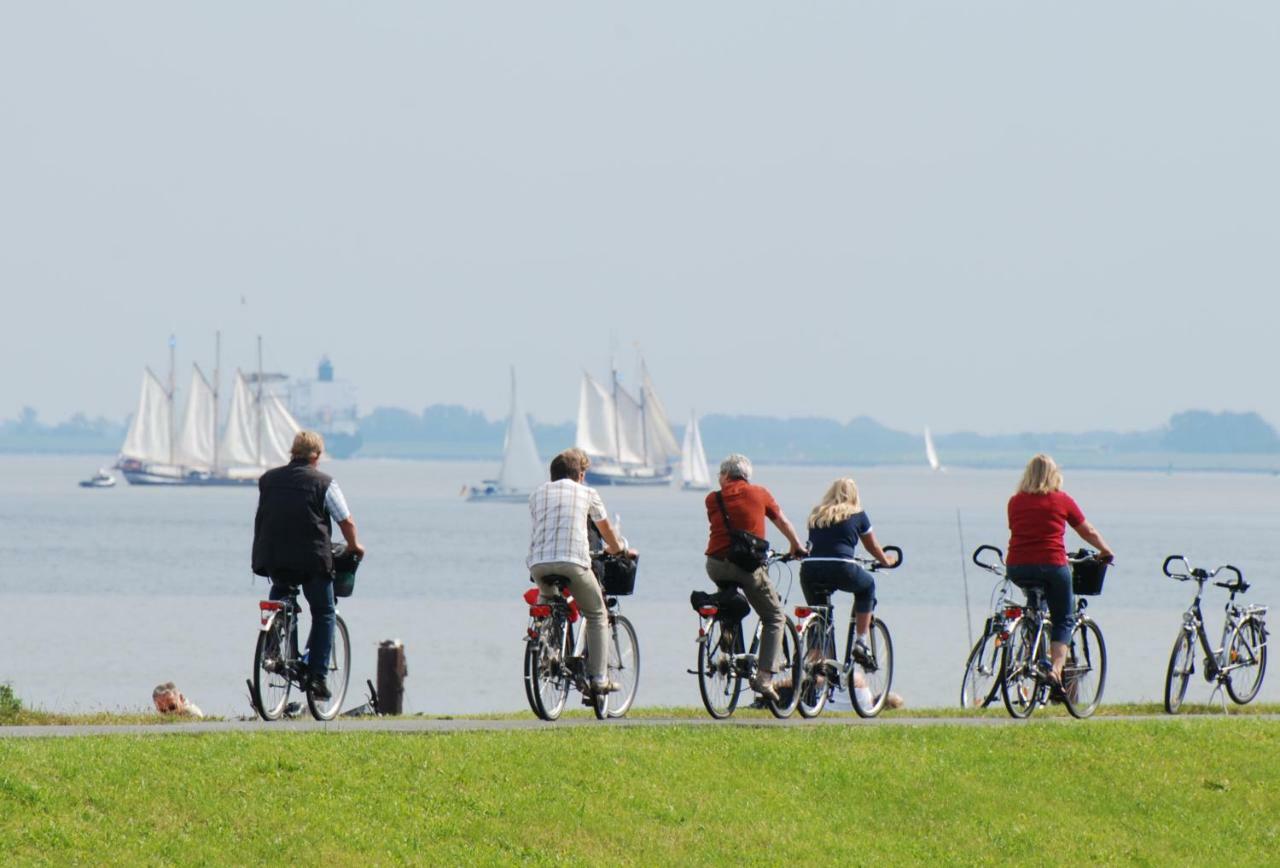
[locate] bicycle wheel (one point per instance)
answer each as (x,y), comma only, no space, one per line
(719,680)
(1084,676)
(624,667)
(546,676)
(1247,659)
(875,675)
(1019,687)
(336,676)
(981,673)
(815,679)
(787,678)
(271,658)
(1181,665)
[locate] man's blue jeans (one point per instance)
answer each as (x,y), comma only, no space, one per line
(318,590)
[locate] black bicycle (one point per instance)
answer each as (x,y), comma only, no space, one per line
(1025,682)
(722,661)
(868,681)
(1237,665)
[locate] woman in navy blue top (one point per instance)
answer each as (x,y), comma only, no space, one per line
(836,526)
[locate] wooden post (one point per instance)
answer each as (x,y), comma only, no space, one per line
(391,674)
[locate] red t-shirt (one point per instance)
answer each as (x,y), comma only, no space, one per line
(1037,524)
(747,505)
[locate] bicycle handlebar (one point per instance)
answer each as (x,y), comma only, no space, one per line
(1239,586)
(995,567)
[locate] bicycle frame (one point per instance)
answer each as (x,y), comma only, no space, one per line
(1216,667)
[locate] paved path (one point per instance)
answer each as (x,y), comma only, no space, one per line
(436,725)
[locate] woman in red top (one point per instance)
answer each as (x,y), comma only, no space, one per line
(1038,517)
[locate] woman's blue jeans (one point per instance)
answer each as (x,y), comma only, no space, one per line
(1056,583)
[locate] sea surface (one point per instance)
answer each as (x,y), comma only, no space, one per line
(105,593)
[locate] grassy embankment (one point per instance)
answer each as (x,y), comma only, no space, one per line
(1149,791)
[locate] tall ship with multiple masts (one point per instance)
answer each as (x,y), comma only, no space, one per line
(627,437)
(257,434)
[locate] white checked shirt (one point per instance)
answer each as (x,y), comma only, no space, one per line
(559,511)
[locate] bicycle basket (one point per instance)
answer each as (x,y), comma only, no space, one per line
(1087,576)
(344,573)
(617,574)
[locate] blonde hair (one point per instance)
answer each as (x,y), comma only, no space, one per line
(307,444)
(840,502)
(1042,476)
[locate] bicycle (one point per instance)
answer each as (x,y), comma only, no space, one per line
(1024,665)
(822,675)
(722,661)
(555,656)
(981,682)
(278,667)
(1239,663)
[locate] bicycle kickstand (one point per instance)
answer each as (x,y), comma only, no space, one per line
(1222,696)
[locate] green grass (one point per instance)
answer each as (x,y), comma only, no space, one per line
(1148,792)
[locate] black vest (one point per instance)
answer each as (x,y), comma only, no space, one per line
(291,531)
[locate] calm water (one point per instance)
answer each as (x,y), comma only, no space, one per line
(106,593)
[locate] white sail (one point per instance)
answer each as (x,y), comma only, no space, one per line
(930,453)
(693,458)
(150,433)
(278,430)
(596,423)
(239,446)
(631,428)
(660,441)
(194,448)
(521,467)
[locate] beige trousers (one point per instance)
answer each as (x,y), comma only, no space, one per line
(764,599)
(586,590)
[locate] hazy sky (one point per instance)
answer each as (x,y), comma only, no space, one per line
(991,216)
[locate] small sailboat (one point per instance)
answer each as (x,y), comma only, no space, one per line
(522,469)
(101,479)
(930,453)
(695,474)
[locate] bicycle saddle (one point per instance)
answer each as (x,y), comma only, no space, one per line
(731,604)
(560,582)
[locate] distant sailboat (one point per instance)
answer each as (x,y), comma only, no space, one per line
(522,469)
(628,439)
(693,459)
(930,453)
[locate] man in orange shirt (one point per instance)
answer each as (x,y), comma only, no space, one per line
(748,506)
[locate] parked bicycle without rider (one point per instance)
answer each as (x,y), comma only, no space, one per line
(1039,513)
(559,546)
(292,543)
(836,526)
(746,507)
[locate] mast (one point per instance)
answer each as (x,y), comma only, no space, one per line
(217,373)
(258,453)
(644,418)
(617,420)
(173,344)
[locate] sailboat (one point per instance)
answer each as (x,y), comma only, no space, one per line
(522,469)
(628,438)
(930,453)
(694,473)
(257,436)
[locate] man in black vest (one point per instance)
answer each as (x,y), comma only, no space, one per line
(292,546)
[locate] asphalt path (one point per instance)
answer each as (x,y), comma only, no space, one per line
(447,725)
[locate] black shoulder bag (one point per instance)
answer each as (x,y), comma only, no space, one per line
(746,550)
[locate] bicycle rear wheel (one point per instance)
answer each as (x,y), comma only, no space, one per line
(271,658)
(981,673)
(815,681)
(1019,687)
(875,675)
(337,674)
(719,680)
(624,668)
(546,675)
(1181,665)
(1247,655)
(787,682)
(1085,674)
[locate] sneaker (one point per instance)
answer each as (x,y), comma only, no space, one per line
(763,684)
(862,655)
(317,688)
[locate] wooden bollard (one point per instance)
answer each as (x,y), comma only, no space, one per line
(391,674)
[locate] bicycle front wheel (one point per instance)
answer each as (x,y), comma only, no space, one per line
(870,680)
(1085,674)
(546,675)
(1181,665)
(336,676)
(981,673)
(1019,687)
(1246,660)
(719,680)
(787,682)
(624,667)
(815,680)
(271,658)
